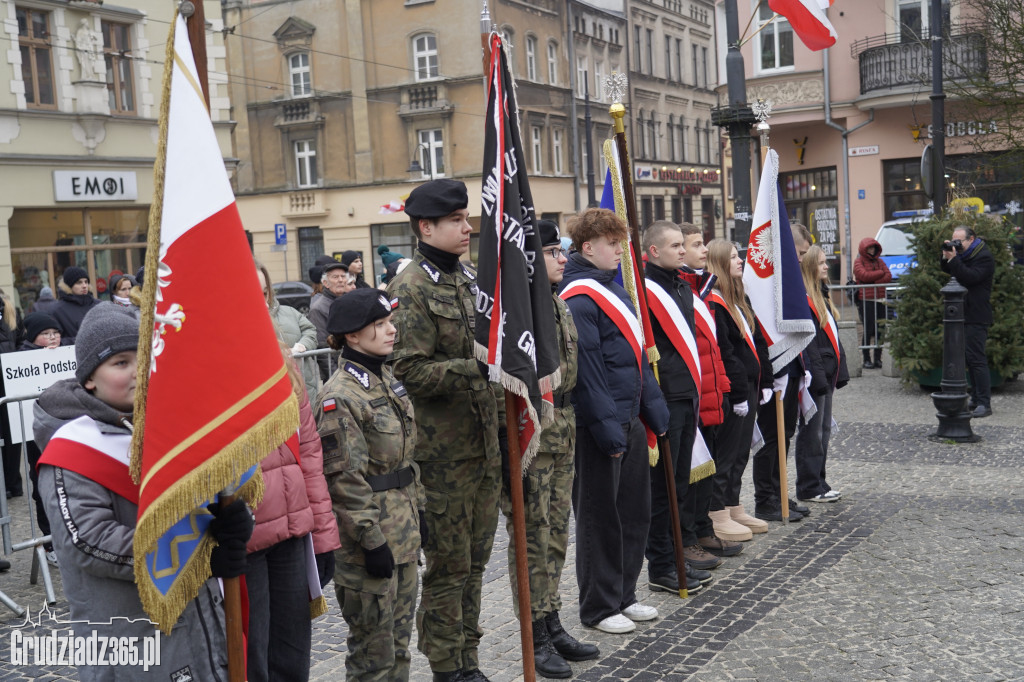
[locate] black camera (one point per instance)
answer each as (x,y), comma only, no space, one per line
(954,245)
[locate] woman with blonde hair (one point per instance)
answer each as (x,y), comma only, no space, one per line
(827,364)
(750,379)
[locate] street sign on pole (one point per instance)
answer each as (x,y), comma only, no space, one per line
(280,233)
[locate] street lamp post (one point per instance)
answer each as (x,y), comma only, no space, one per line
(414,166)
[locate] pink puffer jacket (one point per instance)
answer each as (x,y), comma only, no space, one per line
(296,500)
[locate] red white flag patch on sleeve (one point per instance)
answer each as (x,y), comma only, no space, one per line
(330,405)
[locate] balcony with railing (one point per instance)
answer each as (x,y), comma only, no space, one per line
(424,99)
(893,61)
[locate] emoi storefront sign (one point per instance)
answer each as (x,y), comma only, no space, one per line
(94,186)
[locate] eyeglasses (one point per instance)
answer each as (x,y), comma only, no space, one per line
(554,252)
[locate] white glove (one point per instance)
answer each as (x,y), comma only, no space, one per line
(741,409)
(298,348)
(779,384)
(806,381)
(766,395)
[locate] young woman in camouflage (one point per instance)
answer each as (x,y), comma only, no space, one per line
(366,426)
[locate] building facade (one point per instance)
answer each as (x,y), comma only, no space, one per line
(78,134)
(676,149)
(344,106)
(873,88)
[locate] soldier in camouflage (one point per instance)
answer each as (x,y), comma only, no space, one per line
(456,417)
(365,420)
(547,490)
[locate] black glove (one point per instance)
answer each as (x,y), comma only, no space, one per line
(424,531)
(325,568)
(231,527)
(380,562)
(484,371)
(233,523)
(841,384)
(506,479)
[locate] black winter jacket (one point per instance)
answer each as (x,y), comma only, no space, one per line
(676,381)
(974,270)
(743,366)
(71,311)
(609,392)
(827,370)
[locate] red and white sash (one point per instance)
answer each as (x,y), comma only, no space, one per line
(615,309)
(830,328)
(748,336)
(81,447)
(704,320)
(674,324)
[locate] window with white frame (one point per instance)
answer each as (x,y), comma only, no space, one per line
(598,81)
(537,148)
(583,158)
(581,75)
(556,150)
(641,135)
(424,52)
(774,41)
(531,58)
(299,74)
(431,148)
(117,57)
(553,63)
(36,57)
(305,163)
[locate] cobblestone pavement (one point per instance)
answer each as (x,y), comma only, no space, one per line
(915,575)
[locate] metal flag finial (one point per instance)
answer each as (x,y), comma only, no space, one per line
(762,108)
(616,85)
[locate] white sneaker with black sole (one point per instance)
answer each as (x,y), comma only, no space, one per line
(640,612)
(830,496)
(616,625)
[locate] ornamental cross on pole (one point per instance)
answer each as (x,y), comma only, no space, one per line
(616,85)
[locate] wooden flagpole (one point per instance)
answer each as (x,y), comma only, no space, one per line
(618,112)
(195,22)
(515,464)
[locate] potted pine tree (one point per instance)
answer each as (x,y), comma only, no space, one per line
(915,334)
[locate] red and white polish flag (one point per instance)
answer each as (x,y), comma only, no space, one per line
(807,17)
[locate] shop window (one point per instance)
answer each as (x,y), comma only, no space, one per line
(36,57)
(117,55)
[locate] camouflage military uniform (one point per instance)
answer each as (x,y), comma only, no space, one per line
(457,453)
(368,434)
(547,488)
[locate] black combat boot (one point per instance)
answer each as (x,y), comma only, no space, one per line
(568,646)
(454,676)
(547,662)
(473,675)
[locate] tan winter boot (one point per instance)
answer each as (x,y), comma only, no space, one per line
(727,529)
(739,515)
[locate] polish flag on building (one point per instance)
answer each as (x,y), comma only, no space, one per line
(212,396)
(807,17)
(393,206)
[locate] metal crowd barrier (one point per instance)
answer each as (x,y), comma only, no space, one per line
(332,359)
(871,316)
(37,540)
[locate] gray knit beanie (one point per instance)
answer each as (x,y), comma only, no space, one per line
(107,330)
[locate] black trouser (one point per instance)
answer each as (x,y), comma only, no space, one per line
(870,313)
(975,336)
(44,523)
(612,500)
(766,460)
(732,451)
(682,423)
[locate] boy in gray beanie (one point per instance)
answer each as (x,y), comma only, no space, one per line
(84,427)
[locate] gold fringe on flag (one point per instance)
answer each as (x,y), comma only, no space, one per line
(703,471)
(318,607)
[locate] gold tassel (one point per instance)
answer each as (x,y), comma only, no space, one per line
(703,471)
(318,607)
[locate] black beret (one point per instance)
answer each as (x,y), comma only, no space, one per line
(315,274)
(437,199)
(357,309)
(349,256)
(324,259)
(548,232)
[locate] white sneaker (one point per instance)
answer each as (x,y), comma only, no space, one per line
(638,611)
(616,625)
(51,558)
(832,495)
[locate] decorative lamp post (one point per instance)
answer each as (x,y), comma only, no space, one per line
(951,401)
(415,169)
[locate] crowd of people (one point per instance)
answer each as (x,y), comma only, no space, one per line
(402,448)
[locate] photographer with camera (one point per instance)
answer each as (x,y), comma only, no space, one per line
(968,259)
